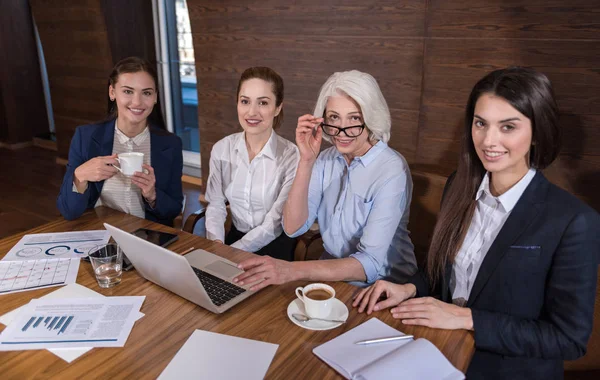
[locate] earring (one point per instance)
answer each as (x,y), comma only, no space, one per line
(112,99)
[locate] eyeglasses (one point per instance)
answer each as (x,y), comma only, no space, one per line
(332,130)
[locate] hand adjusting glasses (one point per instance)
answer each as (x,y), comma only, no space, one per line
(332,130)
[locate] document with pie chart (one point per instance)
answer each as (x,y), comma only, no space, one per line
(57,245)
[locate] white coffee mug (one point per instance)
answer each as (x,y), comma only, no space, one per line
(320,307)
(130,163)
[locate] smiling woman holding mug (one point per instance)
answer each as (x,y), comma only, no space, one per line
(92,179)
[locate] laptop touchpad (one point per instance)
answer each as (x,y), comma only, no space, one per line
(224,269)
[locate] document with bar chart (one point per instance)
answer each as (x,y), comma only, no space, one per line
(18,276)
(74,322)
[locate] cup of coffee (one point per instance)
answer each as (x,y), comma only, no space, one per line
(317,299)
(130,163)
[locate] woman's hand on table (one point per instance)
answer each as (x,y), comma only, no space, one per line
(382,295)
(263,271)
(431,312)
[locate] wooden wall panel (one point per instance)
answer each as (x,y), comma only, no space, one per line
(385,18)
(22,105)
(305,44)
(539,19)
(130,28)
(82,40)
(78,60)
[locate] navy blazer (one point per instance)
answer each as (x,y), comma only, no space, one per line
(533,298)
(95,140)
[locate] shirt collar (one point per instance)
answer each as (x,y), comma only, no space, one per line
(509,199)
(269,150)
(137,140)
(368,157)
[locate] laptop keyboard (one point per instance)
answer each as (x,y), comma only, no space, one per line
(219,291)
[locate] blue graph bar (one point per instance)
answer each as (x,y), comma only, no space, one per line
(64,328)
(47,320)
(54,320)
(40,319)
(60,322)
(28,324)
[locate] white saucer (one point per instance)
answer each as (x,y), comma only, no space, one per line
(338,311)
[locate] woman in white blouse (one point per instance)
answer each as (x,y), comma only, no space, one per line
(253,171)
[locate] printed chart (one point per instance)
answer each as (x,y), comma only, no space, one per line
(56,324)
(31,274)
(72,323)
(57,245)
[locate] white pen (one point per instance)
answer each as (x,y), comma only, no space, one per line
(381,340)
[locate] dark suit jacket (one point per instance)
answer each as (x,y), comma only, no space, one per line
(95,140)
(533,297)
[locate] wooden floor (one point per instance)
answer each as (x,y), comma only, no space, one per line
(30,180)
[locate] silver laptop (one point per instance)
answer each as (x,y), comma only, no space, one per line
(200,276)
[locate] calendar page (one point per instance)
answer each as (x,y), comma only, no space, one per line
(17,276)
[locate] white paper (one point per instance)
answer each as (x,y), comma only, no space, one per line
(19,276)
(75,244)
(72,322)
(417,360)
(403,359)
(208,355)
(346,357)
(69,291)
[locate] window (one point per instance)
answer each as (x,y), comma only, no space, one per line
(178,76)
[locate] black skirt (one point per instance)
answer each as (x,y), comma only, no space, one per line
(280,248)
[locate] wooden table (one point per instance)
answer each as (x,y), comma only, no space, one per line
(170,320)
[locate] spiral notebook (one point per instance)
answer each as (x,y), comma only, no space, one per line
(412,359)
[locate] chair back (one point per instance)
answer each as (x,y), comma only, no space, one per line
(591,360)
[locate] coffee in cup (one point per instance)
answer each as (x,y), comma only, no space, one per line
(318,294)
(317,299)
(130,163)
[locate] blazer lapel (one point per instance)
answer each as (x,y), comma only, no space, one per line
(160,151)
(102,145)
(524,212)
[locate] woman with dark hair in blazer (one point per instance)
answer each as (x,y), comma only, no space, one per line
(513,257)
(133,125)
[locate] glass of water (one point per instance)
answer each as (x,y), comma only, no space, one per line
(107,261)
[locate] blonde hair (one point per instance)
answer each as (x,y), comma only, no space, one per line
(364,90)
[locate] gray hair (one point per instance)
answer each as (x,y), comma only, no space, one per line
(364,90)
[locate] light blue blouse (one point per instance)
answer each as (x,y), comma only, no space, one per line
(362,210)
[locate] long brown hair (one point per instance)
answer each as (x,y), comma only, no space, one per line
(268,75)
(530,93)
(135,65)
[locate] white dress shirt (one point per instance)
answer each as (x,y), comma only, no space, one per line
(118,192)
(488,218)
(256,191)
